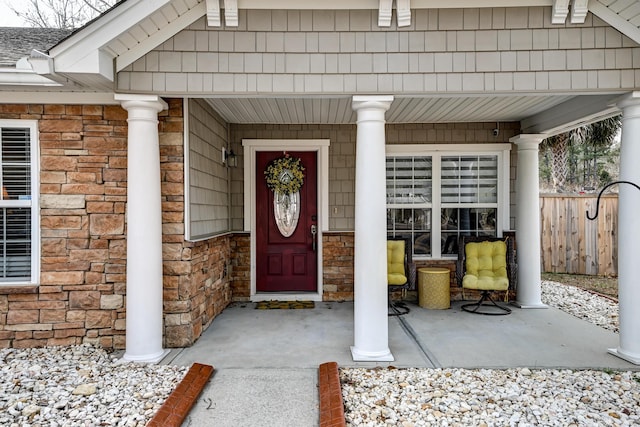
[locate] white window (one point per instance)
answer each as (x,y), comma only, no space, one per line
(436,193)
(18,202)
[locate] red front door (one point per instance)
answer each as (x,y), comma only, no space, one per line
(287,264)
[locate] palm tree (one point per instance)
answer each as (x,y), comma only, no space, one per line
(596,138)
(558,146)
(591,142)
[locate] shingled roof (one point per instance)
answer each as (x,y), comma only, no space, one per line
(16,43)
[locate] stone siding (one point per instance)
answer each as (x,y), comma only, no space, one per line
(241,266)
(337,260)
(83,189)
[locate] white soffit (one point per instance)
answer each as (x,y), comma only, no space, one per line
(403,109)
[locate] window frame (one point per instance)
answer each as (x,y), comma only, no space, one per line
(437,152)
(33,203)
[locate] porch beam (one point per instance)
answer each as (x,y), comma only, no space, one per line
(629,232)
(575,112)
(144,230)
(529,289)
(371,323)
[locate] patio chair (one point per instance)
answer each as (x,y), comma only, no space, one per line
(401,273)
(486,264)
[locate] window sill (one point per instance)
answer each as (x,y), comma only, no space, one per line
(13,289)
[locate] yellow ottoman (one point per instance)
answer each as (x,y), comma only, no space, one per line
(433,288)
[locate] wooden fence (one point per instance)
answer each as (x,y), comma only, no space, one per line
(571,243)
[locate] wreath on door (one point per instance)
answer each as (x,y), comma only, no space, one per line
(285,175)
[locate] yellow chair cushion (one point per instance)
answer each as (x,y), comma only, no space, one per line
(486,266)
(395,263)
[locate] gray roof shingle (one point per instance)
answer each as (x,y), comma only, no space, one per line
(16,43)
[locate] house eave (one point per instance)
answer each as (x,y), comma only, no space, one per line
(12,77)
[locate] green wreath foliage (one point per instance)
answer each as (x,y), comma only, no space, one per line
(285,175)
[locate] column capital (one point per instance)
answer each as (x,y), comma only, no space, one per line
(129,101)
(379,102)
(629,100)
(526,140)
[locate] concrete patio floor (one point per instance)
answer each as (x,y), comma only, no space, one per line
(266,360)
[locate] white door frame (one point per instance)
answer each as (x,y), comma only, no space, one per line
(251,147)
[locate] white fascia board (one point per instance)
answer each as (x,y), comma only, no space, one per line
(307,5)
(84,45)
(374,4)
(144,47)
(13,77)
(615,20)
(42,97)
(94,62)
(475,4)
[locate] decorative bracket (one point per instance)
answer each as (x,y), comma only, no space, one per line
(559,12)
(579,11)
(213,13)
(231,13)
(384,13)
(403,9)
(589,217)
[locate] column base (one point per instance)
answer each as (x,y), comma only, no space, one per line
(359,356)
(528,305)
(145,358)
(635,359)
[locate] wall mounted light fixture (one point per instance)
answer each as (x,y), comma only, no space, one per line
(229,158)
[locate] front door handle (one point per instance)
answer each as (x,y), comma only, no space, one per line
(314,233)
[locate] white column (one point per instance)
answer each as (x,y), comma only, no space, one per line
(529,290)
(144,230)
(629,232)
(371,323)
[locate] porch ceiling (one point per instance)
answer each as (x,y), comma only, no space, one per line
(323,110)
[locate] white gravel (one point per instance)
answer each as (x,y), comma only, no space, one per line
(83,386)
(483,397)
(512,397)
(80,386)
(586,305)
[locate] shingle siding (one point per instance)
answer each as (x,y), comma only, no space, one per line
(344,52)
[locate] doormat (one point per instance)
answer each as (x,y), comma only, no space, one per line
(283,305)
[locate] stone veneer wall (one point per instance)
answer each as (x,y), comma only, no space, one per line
(241,266)
(337,266)
(83,190)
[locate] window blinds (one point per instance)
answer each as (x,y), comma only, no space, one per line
(15,204)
